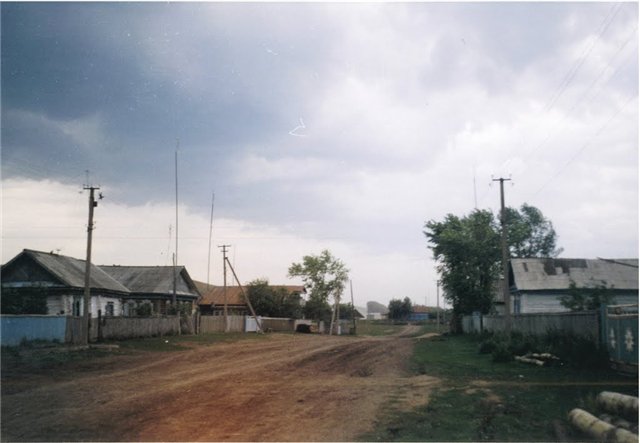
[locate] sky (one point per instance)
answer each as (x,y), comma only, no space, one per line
(311,126)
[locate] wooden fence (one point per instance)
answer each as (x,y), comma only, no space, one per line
(577,323)
(117,328)
(215,323)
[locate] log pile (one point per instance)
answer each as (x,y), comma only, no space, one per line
(545,359)
(610,426)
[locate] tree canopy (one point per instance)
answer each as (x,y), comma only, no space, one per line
(273,301)
(400,309)
(324,276)
(467,252)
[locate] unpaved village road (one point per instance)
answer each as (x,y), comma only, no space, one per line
(278,388)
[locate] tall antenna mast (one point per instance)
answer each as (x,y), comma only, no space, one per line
(213,199)
(175,255)
(176,163)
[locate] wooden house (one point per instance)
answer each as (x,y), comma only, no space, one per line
(537,284)
(154,286)
(60,280)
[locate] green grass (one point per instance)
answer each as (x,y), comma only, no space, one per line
(515,402)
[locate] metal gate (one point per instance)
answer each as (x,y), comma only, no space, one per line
(619,332)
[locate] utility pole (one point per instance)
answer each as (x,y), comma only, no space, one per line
(175,263)
(353,309)
(224,288)
(246,298)
(438,306)
(87,272)
(505,258)
(213,198)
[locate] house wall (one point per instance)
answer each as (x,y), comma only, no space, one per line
(550,303)
(63,305)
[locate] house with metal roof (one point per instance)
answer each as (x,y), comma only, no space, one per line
(154,286)
(537,284)
(60,279)
(215,297)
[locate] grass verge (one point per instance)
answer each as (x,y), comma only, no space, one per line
(480,400)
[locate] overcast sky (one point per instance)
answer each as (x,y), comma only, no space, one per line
(337,126)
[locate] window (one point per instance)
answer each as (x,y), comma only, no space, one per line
(108,310)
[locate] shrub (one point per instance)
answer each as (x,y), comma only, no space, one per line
(501,353)
(487,346)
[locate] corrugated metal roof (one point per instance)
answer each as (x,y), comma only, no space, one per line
(537,274)
(153,279)
(71,271)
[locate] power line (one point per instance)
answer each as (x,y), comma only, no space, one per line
(584,146)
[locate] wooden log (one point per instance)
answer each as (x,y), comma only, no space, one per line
(619,404)
(531,361)
(599,429)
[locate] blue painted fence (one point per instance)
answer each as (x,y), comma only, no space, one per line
(14,330)
(620,333)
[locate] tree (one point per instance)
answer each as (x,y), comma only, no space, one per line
(323,276)
(400,309)
(21,301)
(467,252)
(273,301)
(530,234)
(585,298)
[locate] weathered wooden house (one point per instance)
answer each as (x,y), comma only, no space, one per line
(537,284)
(213,298)
(60,280)
(154,286)
(115,290)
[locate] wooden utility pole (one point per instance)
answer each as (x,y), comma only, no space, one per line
(87,272)
(246,298)
(353,308)
(213,198)
(175,277)
(224,288)
(438,306)
(505,258)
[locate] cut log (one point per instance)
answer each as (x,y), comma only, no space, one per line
(619,404)
(599,429)
(531,361)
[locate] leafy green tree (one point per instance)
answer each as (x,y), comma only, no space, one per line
(270,301)
(530,234)
(586,298)
(467,252)
(324,276)
(22,301)
(400,309)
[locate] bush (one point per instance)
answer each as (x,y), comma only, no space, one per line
(501,353)
(487,346)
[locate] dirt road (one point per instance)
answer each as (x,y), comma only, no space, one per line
(282,387)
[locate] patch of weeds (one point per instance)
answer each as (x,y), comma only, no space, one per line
(501,353)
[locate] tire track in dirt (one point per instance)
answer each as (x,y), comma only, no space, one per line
(282,388)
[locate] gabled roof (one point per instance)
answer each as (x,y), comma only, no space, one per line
(69,271)
(543,274)
(214,295)
(153,279)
